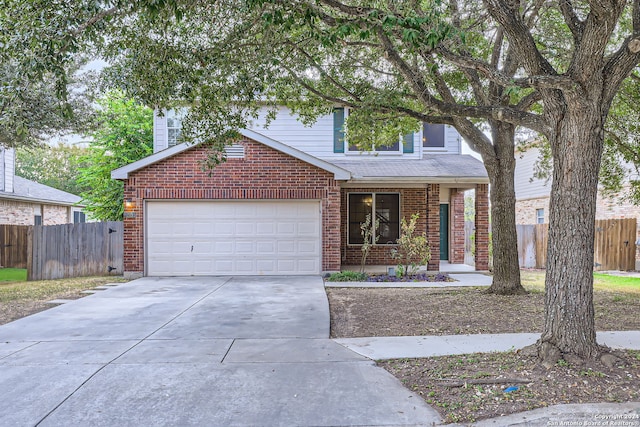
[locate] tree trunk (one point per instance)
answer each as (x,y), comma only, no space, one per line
(569,315)
(506,268)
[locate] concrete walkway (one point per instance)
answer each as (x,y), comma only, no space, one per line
(215,351)
(380,348)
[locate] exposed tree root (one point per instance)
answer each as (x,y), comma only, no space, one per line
(499,289)
(549,355)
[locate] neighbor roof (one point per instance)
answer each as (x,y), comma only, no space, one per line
(31,191)
(438,168)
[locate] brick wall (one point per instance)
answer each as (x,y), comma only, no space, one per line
(457,227)
(433,225)
(16,213)
(526,210)
(22,213)
(55,215)
(264,173)
(412,200)
(482,227)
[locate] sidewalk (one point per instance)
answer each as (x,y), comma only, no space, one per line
(380,348)
(592,414)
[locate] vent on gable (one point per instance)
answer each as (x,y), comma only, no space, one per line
(235,151)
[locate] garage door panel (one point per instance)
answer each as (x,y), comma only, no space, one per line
(271,237)
(307,247)
(243,228)
(308,228)
(265,248)
(265,228)
(245,248)
(224,246)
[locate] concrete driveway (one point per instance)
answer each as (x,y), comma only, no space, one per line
(214,351)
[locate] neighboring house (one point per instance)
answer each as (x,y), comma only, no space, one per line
(25,202)
(290,200)
(532,195)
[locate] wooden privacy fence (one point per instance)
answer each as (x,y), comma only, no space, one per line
(615,245)
(13,245)
(75,250)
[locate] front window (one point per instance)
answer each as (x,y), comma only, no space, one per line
(394,148)
(385,207)
(433,136)
(539,216)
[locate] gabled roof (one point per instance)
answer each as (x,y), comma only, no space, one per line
(340,174)
(439,168)
(31,191)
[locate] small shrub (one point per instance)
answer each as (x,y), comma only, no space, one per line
(347,276)
(367,230)
(413,250)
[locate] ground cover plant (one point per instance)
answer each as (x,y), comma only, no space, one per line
(20,299)
(472,387)
(352,276)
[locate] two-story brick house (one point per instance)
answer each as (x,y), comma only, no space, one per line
(290,200)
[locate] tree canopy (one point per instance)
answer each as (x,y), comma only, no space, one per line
(124,135)
(58,166)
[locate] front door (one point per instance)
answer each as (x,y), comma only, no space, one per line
(444,232)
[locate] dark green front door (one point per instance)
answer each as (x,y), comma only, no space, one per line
(444,232)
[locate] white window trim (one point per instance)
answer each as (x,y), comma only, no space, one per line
(373,209)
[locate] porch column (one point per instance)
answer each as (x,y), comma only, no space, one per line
(433,225)
(482,227)
(457,227)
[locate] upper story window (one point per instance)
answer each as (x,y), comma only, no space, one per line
(403,145)
(539,216)
(433,136)
(174,127)
(385,207)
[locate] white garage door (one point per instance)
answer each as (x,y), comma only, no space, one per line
(212,238)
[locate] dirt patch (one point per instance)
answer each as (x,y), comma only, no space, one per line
(21,299)
(375,312)
(472,387)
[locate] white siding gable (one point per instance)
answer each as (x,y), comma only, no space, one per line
(452,140)
(317,139)
(526,186)
(159,131)
(7,169)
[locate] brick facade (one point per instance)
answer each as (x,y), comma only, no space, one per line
(412,200)
(263,174)
(17,212)
(433,225)
(457,227)
(482,227)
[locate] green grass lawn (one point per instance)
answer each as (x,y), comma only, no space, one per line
(533,280)
(13,274)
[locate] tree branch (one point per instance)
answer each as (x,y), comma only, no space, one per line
(537,82)
(520,37)
(576,26)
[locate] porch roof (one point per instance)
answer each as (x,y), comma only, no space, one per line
(441,168)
